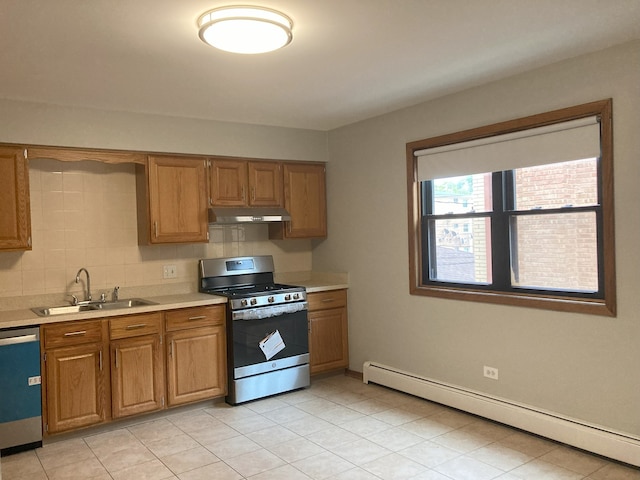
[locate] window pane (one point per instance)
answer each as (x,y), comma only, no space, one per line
(463,250)
(470,193)
(557,185)
(555,251)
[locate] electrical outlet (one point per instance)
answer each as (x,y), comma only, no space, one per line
(169,271)
(491,372)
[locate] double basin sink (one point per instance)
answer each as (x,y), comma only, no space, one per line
(91,306)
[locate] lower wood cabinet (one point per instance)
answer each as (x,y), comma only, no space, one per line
(75,367)
(137,364)
(328,331)
(196,354)
(97,370)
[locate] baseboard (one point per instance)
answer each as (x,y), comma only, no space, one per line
(592,438)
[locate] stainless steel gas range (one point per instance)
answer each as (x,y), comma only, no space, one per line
(267,327)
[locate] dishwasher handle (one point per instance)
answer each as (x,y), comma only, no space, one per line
(19,339)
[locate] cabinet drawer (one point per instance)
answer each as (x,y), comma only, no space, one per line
(135,325)
(194,317)
(67,334)
(324,300)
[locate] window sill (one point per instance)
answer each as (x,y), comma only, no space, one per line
(546,302)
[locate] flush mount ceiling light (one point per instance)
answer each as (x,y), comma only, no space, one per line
(245,29)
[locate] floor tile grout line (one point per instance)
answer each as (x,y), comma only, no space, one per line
(340,395)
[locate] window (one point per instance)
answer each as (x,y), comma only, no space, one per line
(519,213)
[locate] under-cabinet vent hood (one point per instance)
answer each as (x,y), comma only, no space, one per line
(222,215)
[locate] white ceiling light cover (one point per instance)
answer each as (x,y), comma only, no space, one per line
(245,29)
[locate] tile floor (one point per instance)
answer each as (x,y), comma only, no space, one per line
(337,429)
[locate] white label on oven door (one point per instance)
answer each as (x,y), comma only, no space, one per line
(271,344)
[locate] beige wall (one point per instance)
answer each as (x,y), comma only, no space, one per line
(582,366)
(42,124)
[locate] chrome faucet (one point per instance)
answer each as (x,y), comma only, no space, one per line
(88,293)
(116,293)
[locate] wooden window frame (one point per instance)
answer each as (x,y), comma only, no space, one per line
(605,306)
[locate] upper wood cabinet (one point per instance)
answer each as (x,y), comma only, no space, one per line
(172,200)
(240,183)
(305,200)
(15,213)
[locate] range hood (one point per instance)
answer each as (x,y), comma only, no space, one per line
(222,215)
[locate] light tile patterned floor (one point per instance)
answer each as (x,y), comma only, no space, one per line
(338,429)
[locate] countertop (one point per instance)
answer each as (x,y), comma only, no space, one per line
(26,317)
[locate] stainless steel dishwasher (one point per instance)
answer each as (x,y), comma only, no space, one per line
(20,392)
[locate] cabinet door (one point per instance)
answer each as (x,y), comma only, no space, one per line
(305,200)
(328,344)
(15,214)
(177,199)
(265,184)
(196,360)
(228,183)
(137,375)
(75,390)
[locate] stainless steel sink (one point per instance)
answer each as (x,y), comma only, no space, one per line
(63,309)
(87,307)
(130,303)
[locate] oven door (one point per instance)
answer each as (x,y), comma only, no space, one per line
(269,338)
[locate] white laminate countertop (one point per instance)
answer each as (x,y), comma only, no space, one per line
(313,286)
(26,317)
(316,281)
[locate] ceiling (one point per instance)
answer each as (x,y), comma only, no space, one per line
(349,59)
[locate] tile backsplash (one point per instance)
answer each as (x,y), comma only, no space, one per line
(83,214)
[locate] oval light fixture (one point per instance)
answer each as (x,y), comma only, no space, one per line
(245,29)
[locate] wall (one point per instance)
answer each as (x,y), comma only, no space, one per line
(43,124)
(581,366)
(84,213)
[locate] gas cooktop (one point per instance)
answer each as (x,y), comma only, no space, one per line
(247,282)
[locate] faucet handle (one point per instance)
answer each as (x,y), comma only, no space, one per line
(74,300)
(116,293)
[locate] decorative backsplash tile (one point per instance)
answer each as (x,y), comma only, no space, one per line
(83,214)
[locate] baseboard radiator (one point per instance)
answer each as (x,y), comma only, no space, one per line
(618,446)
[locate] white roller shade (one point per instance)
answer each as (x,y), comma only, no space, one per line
(560,142)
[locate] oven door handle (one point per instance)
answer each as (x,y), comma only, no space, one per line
(268,311)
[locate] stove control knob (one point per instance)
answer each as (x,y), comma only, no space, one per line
(271,299)
(296,296)
(287,297)
(244,302)
(253,301)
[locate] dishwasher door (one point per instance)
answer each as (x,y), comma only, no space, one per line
(20,390)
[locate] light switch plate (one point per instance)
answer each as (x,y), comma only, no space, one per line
(169,271)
